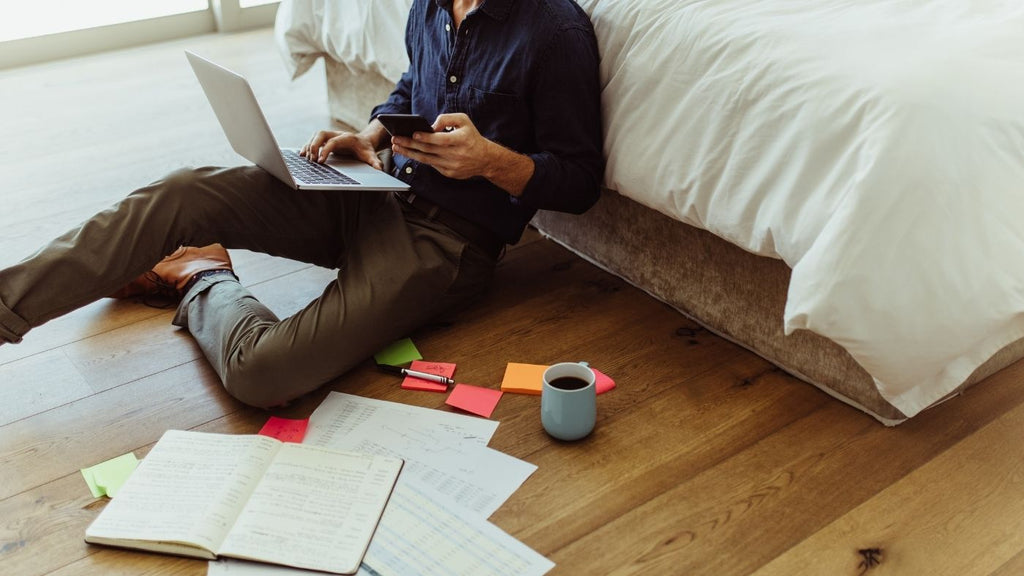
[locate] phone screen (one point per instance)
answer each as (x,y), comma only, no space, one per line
(404,124)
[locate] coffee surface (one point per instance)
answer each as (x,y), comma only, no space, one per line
(568,383)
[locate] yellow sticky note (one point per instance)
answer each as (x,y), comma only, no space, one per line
(106,478)
(523,378)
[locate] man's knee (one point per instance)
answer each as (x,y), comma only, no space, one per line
(264,378)
(253,389)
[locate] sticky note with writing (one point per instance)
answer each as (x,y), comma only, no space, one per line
(439,368)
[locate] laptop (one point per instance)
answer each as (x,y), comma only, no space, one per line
(246,127)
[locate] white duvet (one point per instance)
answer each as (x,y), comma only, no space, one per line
(876,146)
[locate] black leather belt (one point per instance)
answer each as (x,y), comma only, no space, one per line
(476,234)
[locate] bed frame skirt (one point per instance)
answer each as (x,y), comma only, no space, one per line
(731,292)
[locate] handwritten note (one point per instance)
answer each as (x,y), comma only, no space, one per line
(523,378)
(285,429)
(474,399)
(438,368)
(106,478)
(398,353)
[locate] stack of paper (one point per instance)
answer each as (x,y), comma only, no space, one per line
(436,520)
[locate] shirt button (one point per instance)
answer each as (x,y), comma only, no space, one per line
(447,27)
(453,79)
(408,169)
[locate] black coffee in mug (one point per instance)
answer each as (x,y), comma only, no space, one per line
(568,383)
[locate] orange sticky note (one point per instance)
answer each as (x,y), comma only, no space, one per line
(523,378)
(439,368)
(602,381)
(474,399)
(285,429)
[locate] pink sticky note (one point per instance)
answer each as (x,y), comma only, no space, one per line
(285,429)
(602,381)
(439,368)
(474,399)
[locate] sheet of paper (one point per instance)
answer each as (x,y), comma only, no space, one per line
(474,399)
(437,368)
(342,414)
(285,429)
(418,536)
(475,477)
(106,478)
(398,353)
(523,378)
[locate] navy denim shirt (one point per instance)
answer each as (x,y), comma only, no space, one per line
(526,74)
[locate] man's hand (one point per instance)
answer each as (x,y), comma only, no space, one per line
(457,150)
(362,145)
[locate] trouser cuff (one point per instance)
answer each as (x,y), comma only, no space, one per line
(198,287)
(12,326)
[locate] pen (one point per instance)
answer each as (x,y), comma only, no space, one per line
(416,374)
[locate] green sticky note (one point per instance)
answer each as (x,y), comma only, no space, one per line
(106,478)
(398,353)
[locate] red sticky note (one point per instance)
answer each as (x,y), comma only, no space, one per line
(602,381)
(439,368)
(285,429)
(474,399)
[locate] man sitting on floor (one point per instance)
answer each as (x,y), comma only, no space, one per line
(514,88)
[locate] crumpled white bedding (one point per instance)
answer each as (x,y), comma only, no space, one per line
(876,146)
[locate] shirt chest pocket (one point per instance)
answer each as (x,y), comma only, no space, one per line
(501,117)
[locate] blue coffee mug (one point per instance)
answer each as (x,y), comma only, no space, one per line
(568,409)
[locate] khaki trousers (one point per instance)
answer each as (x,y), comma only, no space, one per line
(397,268)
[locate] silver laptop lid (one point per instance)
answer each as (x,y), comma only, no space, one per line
(240,116)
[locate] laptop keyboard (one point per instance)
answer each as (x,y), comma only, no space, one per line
(308,172)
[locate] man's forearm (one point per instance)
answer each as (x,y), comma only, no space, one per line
(375,133)
(508,170)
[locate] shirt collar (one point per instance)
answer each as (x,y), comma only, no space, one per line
(497,9)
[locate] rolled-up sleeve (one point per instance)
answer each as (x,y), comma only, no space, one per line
(569,166)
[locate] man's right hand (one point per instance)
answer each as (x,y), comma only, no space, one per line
(362,145)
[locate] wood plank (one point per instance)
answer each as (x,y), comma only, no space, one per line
(643,452)
(48,522)
(961,513)
(59,442)
(39,383)
(768,498)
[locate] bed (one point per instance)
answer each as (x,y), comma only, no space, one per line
(835,185)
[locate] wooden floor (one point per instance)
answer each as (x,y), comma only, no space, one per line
(705,460)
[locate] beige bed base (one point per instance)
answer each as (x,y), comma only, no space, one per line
(731,292)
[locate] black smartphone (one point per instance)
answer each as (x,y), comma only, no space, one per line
(404,124)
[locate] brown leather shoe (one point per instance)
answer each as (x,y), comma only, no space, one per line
(170,276)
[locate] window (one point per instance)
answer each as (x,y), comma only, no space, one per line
(29,18)
(34,31)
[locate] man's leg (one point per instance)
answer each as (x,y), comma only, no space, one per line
(400,270)
(239,208)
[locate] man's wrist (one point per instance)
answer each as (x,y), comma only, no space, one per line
(507,169)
